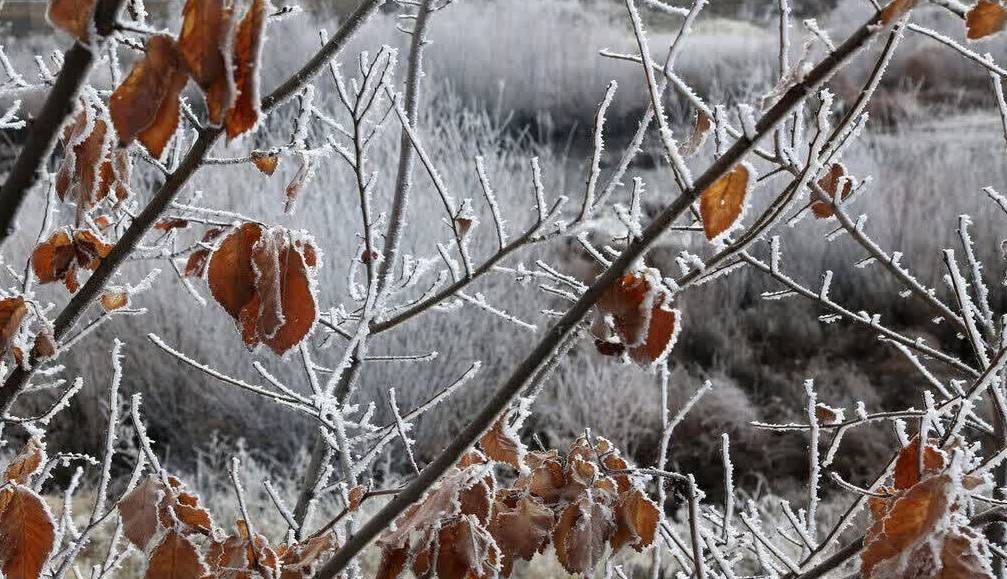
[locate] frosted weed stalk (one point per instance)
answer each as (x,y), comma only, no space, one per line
(489,501)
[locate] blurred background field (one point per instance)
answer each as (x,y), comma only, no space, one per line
(933,142)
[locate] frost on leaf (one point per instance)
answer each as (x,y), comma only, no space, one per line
(636,520)
(700,130)
(264,279)
(985,18)
(238,556)
(27,533)
(633,313)
(175,557)
(521,529)
(581,534)
(26,463)
(146,105)
(920,527)
(895,10)
(501,444)
(244,115)
(300,560)
(265,162)
(830,183)
(12,313)
(72,16)
(457,508)
(61,256)
(722,203)
(90,166)
(204,40)
(138,510)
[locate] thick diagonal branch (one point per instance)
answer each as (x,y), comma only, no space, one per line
(556,335)
(78,61)
(90,291)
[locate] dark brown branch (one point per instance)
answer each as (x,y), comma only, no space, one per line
(78,61)
(18,378)
(552,340)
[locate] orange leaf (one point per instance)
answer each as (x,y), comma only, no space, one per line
(53,258)
(722,204)
(356,496)
(12,313)
(175,557)
(895,10)
(146,104)
(26,463)
(206,32)
(580,535)
(502,445)
(265,162)
(287,309)
(44,346)
(466,551)
(907,469)
(830,184)
(113,300)
(72,16)
(27,533)
(661,336)
(169,224)
(139,510)
(987,17)
(636,521)
(522,530)
(230,273)
(244,115)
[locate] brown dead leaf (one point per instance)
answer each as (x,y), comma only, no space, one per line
(244,115)
(175,557)
(206,33)
(27,533)
(26,463)
(895,10)
(12,313)
(830,184)
(146,105)
(907,470)
(114,300)
(521,531)
(985,18)
(139,511)
(580,535)
(75,17)
(700,130)
(230,273)
(636,520)
(265,161)
(501,445)
(722,204)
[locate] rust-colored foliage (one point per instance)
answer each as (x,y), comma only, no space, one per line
(12,313)
(265,162)
(26,463)
(700,131)
(244,115)
(27,533)
(633,316)
(114,299)
(61,256)
(90,166)
(576,503)
(146,105)
(262,278)
(920,530)
(830,183)
(985,18)
(75,17)
(175,557)
(896,9)
(501,445)
(722,204)
(207,31)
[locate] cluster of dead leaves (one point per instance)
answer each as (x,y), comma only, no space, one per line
(219,52)
(165,521)
(920,530)
(27,531)
(469,526)
(65,253)
(91,166)
(634,317)
(263,277)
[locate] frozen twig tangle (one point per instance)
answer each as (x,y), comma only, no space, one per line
(117,191)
